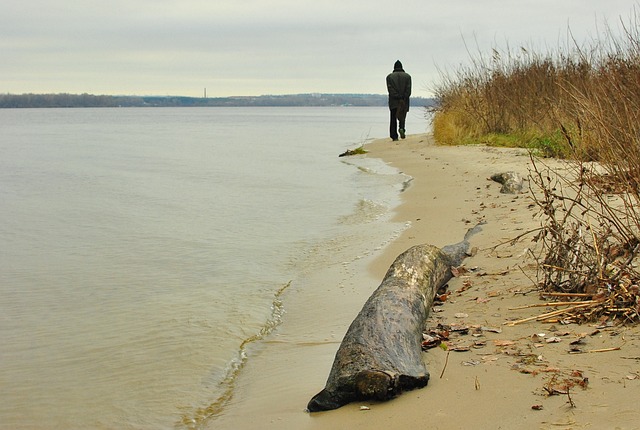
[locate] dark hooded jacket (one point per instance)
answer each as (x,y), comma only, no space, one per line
(399,86)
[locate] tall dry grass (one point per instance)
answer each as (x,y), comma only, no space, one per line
(500,94)
(581,103)
(561,102)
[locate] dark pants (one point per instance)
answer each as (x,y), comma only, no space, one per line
(397,121)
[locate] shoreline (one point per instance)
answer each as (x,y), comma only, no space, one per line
(496,384)
(498,380)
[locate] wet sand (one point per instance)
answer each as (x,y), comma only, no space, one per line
(506,371)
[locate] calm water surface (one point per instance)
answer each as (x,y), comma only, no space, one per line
(142,248)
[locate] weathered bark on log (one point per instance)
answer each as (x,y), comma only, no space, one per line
(381,354)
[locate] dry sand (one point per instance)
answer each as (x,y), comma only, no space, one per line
(494,384)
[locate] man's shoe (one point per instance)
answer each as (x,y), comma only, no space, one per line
(402,133)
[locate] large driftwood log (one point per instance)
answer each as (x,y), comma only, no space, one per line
(381,355)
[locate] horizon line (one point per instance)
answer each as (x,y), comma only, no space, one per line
(199,97)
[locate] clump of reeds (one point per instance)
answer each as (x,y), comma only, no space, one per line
(560,102)
(582,104)
(501,97)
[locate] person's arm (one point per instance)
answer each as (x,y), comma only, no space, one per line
(392,88)
(408,92)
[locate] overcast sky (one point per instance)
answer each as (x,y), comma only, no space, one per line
(256,47)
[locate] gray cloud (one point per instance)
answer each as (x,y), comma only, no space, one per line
(244,47)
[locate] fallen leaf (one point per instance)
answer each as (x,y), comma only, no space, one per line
(462,329)
(461,315)
(466,284)
(442,297)
(503,342)
(458,271)
(430,342)
(562,333)
(460,348)
(490,358)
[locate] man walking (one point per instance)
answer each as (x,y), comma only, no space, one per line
(399,87)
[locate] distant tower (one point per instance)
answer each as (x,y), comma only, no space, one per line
(205,92)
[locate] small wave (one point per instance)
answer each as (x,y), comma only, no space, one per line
(227,384)
(365,211)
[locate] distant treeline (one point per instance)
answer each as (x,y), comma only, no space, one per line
(12,101)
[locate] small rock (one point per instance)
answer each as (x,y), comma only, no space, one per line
(511,182)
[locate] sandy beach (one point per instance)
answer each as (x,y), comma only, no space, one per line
(501,377)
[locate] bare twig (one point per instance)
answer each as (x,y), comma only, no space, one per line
(553,304)
(446,361)
(547,315)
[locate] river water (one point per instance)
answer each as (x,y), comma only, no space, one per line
(143,249)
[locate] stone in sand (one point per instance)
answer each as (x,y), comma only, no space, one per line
(511,182)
